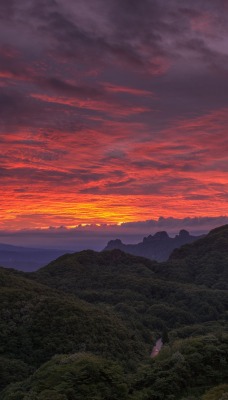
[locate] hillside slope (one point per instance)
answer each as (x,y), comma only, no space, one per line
(101,350)
(128,284)
(204,262)
(37,323)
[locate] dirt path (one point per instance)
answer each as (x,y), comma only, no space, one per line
(157,348)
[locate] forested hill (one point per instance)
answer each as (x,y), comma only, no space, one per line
(215,242)
(204,262)
(155,247)
(37,322)
(137,289)
(83,327)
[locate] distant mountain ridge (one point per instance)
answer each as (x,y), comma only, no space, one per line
(26,258)
(155,247)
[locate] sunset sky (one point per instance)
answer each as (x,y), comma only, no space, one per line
(112,111)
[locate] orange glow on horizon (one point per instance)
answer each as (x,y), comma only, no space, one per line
(58,210)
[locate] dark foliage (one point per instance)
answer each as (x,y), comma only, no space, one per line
(204,262)
(76,376)
(115,306)
(37,322)
(128,284)
(187,367)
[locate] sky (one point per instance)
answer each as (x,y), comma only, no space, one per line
(112,112)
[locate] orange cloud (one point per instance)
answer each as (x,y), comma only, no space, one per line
(94,176)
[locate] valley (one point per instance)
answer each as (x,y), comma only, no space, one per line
(111,325)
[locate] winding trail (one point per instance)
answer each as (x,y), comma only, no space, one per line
(157,348)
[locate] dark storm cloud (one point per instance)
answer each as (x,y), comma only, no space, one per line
(16,110)
(10,63)
(137,33)
(141,19)
(151,164)
(7,8)
(145,34)
(171,222)
(72,90)
(75,43)
(166,185)
(81,40)
(19,110)
(36,175)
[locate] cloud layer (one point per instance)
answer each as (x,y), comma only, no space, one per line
(96,236)
(112,111)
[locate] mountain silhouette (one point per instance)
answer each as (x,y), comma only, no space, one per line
(155,247)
